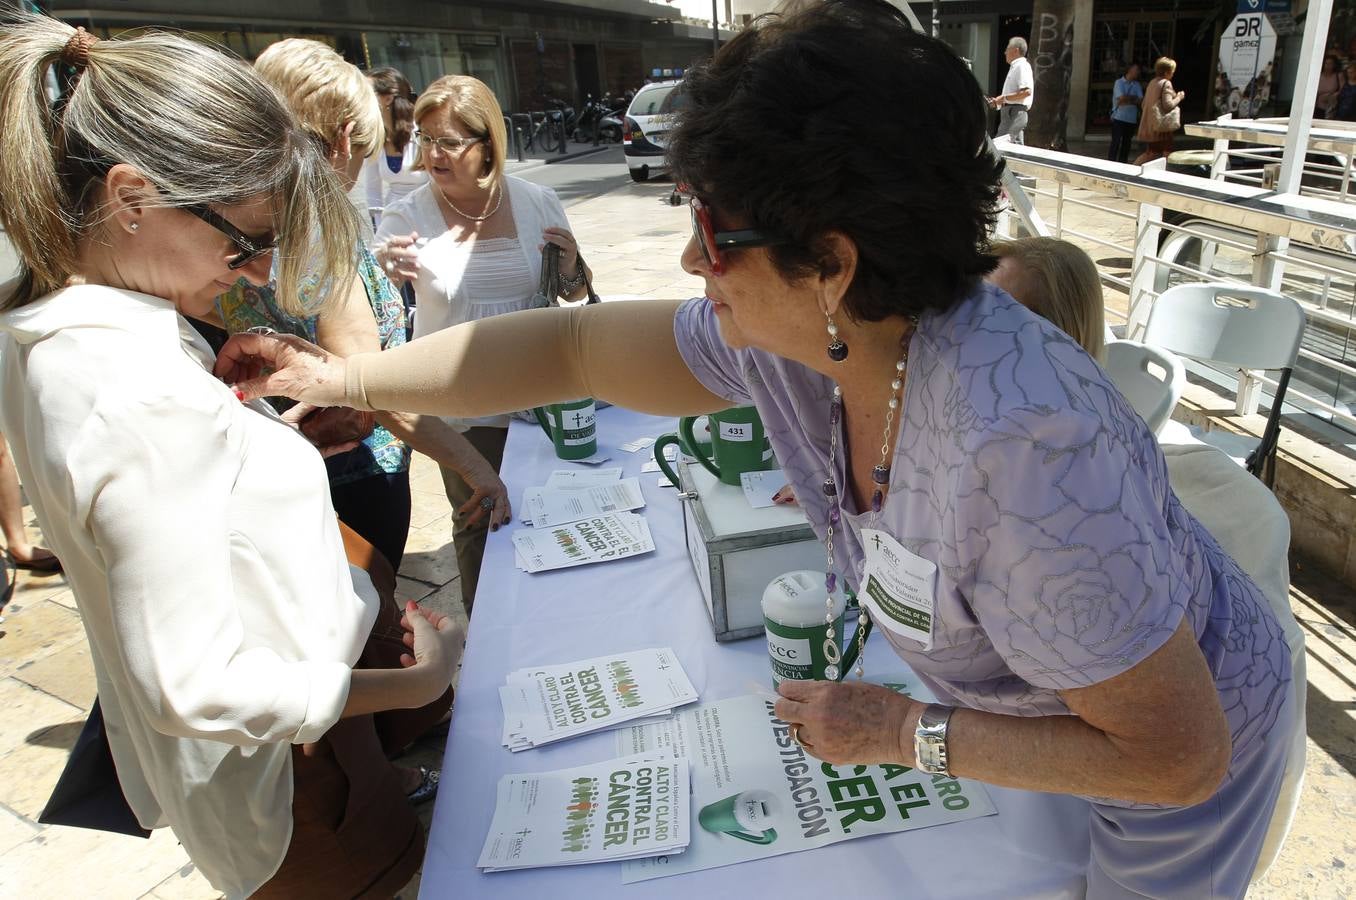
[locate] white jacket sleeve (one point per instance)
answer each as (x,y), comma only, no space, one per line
(155,476)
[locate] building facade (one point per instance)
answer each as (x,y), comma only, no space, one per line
(525,51)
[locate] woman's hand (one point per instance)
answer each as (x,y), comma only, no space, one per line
(294,367)
(332,429)
(569,257)
(850,723)
(484,482)
(436,642)
(399,257)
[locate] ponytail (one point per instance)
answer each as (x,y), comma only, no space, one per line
(37,211)
(199,125)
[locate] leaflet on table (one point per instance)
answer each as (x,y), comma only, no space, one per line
(574,479)
(514,700)
(623,809)
(758,794)
(544,507)
(760,486)
(550,703)
(600,539)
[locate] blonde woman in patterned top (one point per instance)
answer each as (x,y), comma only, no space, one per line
(370,483)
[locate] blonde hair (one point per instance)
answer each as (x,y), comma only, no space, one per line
(1060,282)
(473,103)
(1164,67)
(200,126)
(324,92)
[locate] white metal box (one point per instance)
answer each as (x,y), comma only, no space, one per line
(736,549)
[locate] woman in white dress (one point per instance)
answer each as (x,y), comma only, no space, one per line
(470,241)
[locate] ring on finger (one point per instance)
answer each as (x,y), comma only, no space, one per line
(795,736)
(487,503)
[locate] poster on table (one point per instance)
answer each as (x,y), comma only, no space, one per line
(756,794)
(616,810)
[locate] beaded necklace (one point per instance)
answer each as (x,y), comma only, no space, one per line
(880,477)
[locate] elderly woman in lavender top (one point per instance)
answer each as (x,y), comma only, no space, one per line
(1029,560)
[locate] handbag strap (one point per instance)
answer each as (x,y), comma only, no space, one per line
(588,282)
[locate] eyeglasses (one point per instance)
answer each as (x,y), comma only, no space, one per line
(249,248)
(712,242)
(450,146)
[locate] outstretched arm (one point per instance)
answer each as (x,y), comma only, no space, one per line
(624,353)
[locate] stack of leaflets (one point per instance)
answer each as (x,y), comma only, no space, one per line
(551,703)
(601,538)
(547,506)
(628,808)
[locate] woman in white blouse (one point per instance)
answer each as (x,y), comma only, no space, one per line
(470,242)
(390,175)
(229,635)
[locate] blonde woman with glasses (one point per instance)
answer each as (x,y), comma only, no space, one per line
(470,242)
(240,661)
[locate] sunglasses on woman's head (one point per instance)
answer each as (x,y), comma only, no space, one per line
(712,242)
(250,249)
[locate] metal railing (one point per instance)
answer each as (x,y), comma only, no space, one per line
(1149,229)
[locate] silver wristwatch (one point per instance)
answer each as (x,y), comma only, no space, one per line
(929,739)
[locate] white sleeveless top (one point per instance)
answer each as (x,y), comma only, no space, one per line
(462,281)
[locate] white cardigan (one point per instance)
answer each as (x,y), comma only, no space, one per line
(203,550)
(440,287)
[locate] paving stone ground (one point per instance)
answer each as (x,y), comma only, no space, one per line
(633,241)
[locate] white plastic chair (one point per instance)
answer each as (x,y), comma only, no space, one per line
(1242,326)
(1150,378)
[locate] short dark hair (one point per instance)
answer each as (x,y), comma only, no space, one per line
(842,117)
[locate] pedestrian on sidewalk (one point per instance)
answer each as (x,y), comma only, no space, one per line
(241,662)
(1126,96)
(1159,114)
(21,552)
(1018,92)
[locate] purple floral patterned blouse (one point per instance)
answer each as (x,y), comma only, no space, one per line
(1064,558)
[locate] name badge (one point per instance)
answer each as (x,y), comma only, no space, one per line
(898,587)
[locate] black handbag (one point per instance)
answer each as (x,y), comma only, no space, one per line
(88,794)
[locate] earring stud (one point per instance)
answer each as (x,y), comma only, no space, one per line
(134,225)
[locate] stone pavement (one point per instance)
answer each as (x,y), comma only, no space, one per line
(633,239)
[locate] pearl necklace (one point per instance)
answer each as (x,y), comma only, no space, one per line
(498,199)
(880,477)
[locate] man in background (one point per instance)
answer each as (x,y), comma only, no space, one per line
(1126,98)
(1018,90)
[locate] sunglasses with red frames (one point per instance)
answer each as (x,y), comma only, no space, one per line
(712,242)
(250,249)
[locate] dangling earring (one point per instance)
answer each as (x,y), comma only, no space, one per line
(838,351)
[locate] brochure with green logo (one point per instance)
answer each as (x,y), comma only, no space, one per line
(627,808)
(758,794)
(551,703)
(598,539)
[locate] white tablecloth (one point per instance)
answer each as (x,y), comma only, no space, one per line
(1036,846)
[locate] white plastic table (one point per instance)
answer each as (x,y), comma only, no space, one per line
(1037,845)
